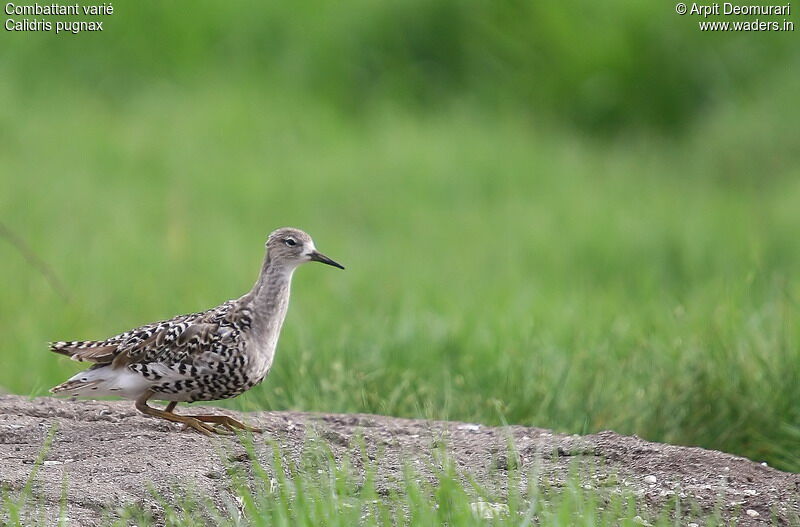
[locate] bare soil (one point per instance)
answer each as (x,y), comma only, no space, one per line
(111,456)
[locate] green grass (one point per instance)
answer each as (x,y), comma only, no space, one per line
(495,270)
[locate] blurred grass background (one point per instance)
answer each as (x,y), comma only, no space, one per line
(570,215)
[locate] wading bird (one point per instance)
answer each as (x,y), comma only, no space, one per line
(216,354)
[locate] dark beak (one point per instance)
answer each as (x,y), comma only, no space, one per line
(317,256)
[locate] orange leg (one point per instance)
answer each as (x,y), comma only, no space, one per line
(188,422)
(228,422)
(196,422)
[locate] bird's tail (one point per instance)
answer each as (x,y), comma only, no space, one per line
(76,387)
(83,382)
(85,350)
(103,380)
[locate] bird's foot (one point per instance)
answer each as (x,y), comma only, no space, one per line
(203,428)
(229,424)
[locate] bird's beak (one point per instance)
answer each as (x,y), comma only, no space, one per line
(317,256)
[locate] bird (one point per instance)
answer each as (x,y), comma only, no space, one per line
(215,354)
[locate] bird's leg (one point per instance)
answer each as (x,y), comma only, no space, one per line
(171,406)
(228,422)
(189,422)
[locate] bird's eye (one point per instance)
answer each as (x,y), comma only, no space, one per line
(290,242)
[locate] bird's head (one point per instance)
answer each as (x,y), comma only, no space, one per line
(292,247)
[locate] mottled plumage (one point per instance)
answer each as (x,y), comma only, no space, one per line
(215,354)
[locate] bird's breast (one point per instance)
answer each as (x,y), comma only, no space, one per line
(260,350)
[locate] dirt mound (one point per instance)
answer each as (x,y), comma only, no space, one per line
(110,454)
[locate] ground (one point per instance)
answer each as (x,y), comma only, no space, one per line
(111,456)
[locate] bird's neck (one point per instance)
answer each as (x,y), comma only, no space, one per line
(269,299)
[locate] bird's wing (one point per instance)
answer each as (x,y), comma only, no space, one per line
(171,339)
